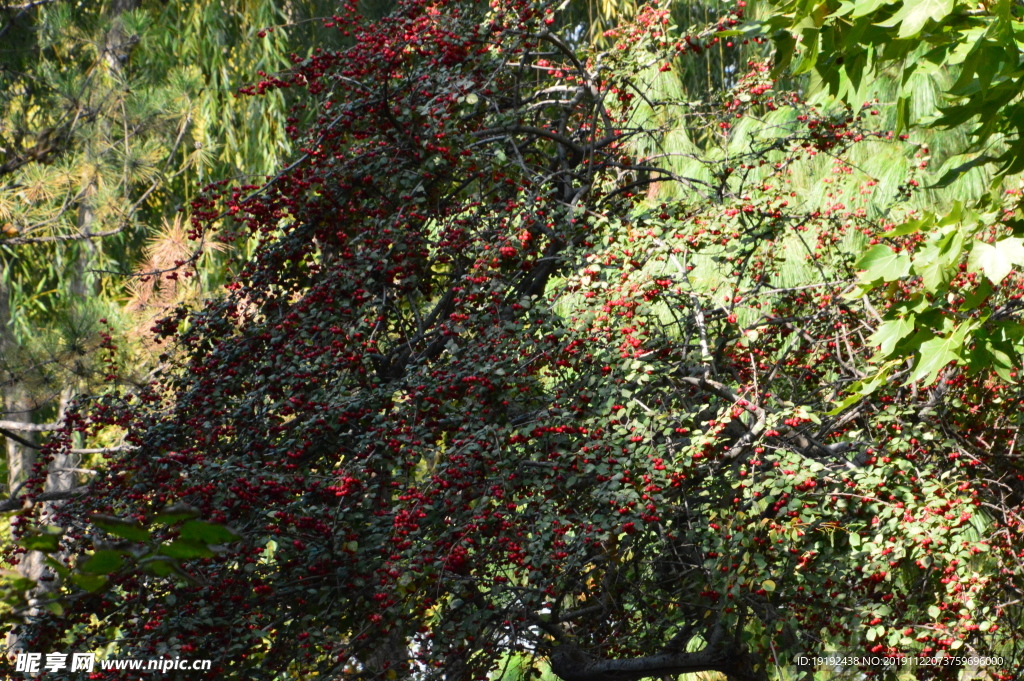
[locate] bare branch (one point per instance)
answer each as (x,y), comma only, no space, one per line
(16,503)
(29,427)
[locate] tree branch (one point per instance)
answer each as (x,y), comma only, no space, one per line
(34,427)
(17,503)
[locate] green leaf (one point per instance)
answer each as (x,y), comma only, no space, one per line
(91,583)
(185,549)
(21,584)
(991,355)
(47,543)
(161,566)
(938,261)
(768,585)
(864,7)
(809,52)
(103,563)
(890,333)
(119,527)
(207,533)
(902,114)
(953,174)
(934,275)
(936,353)
(881,262)
(863,388)
(914,14)
(785,43)
(996,261)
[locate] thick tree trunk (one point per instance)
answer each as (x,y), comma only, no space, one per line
(570,663)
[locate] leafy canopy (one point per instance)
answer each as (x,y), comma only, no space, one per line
(485,398)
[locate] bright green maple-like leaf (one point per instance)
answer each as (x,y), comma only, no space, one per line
(865,7)
(881,262)
(890,333)
(937,261)
(938,352)
(997,260)
(915,14)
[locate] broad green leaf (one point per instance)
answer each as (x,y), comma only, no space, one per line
(103,563)
(47,543)
(890,333)
(21,584)
(161,566)
(207,533)
(955,214)
(903,121)
(785,43)
(988,356)
(881,262)
(120,528)
(996,261)
(845,403)
(90,582)
(864,7)
(808,51)
(914,14)
(977,296)
(934,275)
(936,353)
(768,585)
(955,173)
(937,262)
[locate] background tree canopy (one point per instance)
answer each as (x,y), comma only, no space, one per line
(584,342)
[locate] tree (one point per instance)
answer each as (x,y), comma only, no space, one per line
(976,51)
(109,123)
(483,398)
(844,43)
